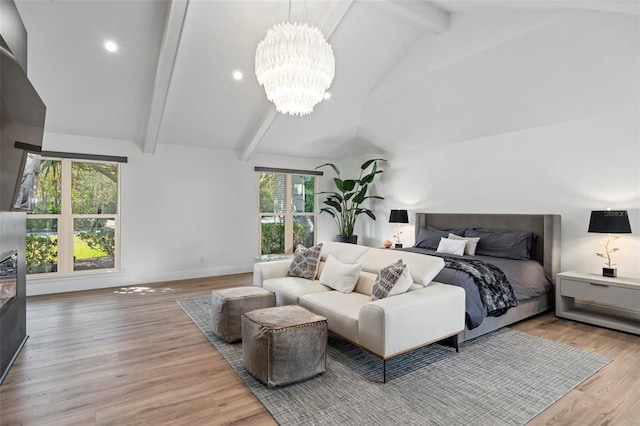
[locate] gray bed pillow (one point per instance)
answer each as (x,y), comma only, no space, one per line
(518,245)
(429,237)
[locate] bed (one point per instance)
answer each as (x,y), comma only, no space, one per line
(545,255)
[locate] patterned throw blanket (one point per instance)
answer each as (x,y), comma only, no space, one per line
(495,289)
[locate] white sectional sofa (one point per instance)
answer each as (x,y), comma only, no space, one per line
(427,313)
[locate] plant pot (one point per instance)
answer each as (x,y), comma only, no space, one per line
(351,239)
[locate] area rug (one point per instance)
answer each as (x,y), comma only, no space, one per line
(503,378)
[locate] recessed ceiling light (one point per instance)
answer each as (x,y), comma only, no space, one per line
(111,46)
(237,75)
(327,95)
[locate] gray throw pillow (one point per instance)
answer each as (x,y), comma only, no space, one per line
(387,279)
(429,239)
(305,262)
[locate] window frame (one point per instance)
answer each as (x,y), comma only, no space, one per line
(288,212)
(66,220)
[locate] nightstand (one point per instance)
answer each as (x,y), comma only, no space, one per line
(594,299)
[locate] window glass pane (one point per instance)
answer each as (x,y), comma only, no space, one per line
(302,193)
(302,231)
(49,187)
(42,245)
(93,244)
(272,234)
(272,192)
(94,188)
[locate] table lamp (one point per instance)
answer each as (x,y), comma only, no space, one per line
(398,217)
(609,222)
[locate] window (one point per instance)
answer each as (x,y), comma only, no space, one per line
(288,213)
(75,223)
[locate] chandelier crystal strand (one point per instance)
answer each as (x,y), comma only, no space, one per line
(295,65)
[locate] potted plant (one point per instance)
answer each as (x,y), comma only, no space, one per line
(344,204)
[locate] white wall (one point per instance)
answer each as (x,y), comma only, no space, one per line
(517,113)
(185,213)
(567,169)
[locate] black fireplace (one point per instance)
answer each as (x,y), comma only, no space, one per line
(13,292)
(8,279)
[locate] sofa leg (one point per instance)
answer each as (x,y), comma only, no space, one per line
(384,370)
(455,342)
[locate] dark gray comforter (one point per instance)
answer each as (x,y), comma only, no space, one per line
(527,278)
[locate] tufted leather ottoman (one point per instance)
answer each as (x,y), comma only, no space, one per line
(228,305)
(284,345)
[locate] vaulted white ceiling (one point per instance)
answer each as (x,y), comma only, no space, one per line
(407,71)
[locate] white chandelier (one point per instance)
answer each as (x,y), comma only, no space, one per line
(295,65)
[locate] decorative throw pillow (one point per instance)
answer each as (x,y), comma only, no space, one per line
(450,246)
(392,280)
(305,262)
(471,243)
(429,238)
(518,245)
(340,276)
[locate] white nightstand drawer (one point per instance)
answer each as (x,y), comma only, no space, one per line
(601,293)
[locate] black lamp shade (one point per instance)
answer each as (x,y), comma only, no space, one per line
(610,222)
(398,216)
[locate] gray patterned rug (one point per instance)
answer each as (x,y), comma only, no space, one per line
(504,378)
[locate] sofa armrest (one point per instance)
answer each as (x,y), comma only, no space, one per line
(265,270)
(391,326)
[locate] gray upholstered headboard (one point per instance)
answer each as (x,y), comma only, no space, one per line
(546,226)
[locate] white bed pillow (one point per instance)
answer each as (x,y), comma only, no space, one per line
(340,276)
(451,246)
(471,243)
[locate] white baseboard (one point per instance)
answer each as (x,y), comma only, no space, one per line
(50,284)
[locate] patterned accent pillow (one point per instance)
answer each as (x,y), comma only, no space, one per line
(305,262)
(392,280)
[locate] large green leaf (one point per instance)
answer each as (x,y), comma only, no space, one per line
(335,168)
(368,163)
(339,184)
(333,204)
(335,197)
(349,184)
(328,211)
(369,178)
(358,199)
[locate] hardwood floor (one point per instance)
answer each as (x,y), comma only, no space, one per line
(131,356)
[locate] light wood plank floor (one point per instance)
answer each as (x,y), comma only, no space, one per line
(131,356)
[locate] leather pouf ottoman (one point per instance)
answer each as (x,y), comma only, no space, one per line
(284,345)
(228,305)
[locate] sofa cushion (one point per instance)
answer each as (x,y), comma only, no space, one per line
(341,310)
(289,289)
(423,268)
(393,279)
(345,253)
(365,282)
(305,262)
(339,276)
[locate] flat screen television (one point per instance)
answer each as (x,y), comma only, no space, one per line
(22,115)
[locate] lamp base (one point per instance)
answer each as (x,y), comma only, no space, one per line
(610,272)
(398,245)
